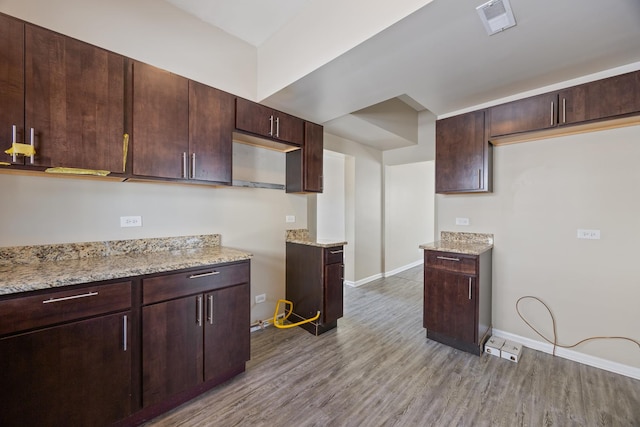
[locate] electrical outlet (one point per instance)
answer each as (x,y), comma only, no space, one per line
(130,221)
(261,298)
(462,221)
(588,234)
(290,218)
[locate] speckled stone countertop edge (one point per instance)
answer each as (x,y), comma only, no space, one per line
(461,242)
(20,278)
(301,237)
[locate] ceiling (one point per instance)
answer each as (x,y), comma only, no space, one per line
(439,58)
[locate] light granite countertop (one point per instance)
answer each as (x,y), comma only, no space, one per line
(301,237)
(461,243)
(29,268)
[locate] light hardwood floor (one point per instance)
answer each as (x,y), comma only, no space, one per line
(379,369)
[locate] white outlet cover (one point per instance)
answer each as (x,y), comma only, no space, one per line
(462,221)
(588,234)
(290,218)
(130,221)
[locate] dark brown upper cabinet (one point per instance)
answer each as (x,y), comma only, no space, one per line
(463,154)
(65,97)
(305,166)
(266,122)
(524,115)
(160,123)
(602,99)
(181,129)
(610,98)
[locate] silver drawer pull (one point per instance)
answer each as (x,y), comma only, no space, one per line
(446,258)
(211,273)
(88,294)
(336,252)
(124,334)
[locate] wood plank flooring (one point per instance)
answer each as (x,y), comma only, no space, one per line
(379,369)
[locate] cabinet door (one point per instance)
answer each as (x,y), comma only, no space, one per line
(255,118)
(289,128)
(11,83)
(77,374)
(607,98)
(211,124)
(227,324)
(462,154)
(172,346)
(333,292)
(450,304)
(160,123)
(312,151)
(74,102)
(529,114)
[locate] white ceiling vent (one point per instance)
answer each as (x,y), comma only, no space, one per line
(496,15)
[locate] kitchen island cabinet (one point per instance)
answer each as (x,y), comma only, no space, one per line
(314,282)
(457,294)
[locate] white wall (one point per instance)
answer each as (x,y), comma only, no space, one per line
(151,31)
(331,203)
(408,214)
(543,192)
(41,210)
(365,240)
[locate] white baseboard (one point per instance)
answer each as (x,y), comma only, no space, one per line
(585,359)
(363,281)
(381,275)
(403,268)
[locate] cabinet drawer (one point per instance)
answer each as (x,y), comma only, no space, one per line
(176,285)
(50,308)
(334,255)
(451,262)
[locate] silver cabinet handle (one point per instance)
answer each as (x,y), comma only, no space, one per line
(469,287)
(479,178)
(277,127)
(446,258)
(271,125)
(185,167)
(337,252)
(88,294)
(199,311)
(124,330)
(193,165)
(33,140)
(210,309)
(210,273)
(564,110)
(15,136)
(552,103)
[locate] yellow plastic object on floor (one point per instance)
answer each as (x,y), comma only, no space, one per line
(279,323)
(77,171)
(22,149)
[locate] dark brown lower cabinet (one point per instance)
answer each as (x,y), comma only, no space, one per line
(196,339)
(78,374)
(457,299)
(314,283)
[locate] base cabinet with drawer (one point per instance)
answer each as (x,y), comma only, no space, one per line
(65,357)
(314,283)
(195,329)
(457,299)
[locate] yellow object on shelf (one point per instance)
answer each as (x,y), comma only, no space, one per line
(125,149)
(279,323)
(22,149)
(77,171)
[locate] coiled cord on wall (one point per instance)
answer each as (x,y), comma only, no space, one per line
(555,335)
